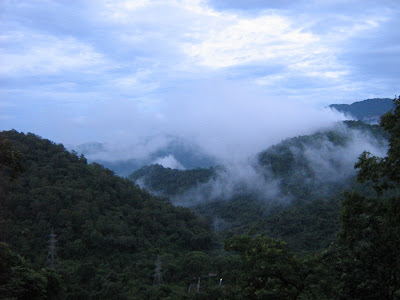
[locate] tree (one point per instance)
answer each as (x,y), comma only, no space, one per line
(10,159)
(269,271)
(370,237)
(17,278)
(384,172)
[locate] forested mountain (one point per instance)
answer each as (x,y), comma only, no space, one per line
(109,231)
(170,182)
(319,165)
(300,165)
(308,174)
(368,111)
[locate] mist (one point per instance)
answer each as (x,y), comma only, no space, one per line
(324,162)
(220,119)
(332,163)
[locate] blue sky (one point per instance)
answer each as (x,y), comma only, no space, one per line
(118,71)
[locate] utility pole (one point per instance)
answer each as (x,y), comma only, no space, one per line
(158,274)
(51,261)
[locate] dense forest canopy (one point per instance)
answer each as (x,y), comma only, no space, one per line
(310,173)
(109,231)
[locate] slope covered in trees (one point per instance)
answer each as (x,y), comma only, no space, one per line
(363,263)
(290,162)
(170,182)
(369,240)
(109,231)
(369,110)
(310,173)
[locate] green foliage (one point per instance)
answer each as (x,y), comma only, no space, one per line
(384,172)
(19,281)
(109,231)
(369,243)
(10,159)
(269,271)
(288,162)
(305,227)
(169,182)
(308,222)
(370,248)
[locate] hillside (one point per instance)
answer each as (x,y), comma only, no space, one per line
(298,164)
(109,231)
(170,182)
(368,111)
(301,180)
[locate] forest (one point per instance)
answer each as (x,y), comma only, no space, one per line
(70,229)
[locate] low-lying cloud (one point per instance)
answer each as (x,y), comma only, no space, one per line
(168,162)
(333,163)
(329,162)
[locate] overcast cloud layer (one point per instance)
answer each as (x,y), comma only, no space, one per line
(225,74)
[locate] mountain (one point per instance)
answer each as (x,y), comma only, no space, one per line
(109,231)
(368,111)
(298,165)
(169,182)
(171,152)
(281,190)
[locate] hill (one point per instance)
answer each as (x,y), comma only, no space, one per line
(298,181)
(169,182)
(109,231)
(368,111)
(298,165)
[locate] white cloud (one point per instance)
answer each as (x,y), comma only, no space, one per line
(119,10)
(169,162)
(260,39)
(40,54)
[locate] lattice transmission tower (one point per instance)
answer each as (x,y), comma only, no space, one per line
(157,273)
(52,259)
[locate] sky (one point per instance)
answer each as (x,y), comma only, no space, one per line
(224,74)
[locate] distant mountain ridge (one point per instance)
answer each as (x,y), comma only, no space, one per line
(368,111)
(177,154)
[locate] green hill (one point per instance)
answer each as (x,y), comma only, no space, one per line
(309,171)
(368,111)
(294,163)
(170,182)
(109,231)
